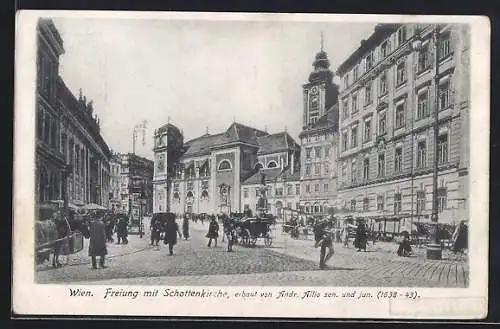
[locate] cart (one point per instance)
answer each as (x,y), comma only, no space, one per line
(249,230)
(46,235)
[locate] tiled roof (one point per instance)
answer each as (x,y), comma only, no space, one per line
(272,175)
(241,133)
(276,142)
(202,144)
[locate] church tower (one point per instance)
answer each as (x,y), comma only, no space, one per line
(320,93)
(168,141)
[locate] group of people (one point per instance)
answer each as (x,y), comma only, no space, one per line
(166,228)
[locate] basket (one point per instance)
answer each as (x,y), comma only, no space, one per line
(72,244)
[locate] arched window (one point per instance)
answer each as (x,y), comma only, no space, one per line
(204,194)
(43,183)
(224,165)
(258,166)
(177,196)
(308,208)
(272,164)
(316,208)
(189,195)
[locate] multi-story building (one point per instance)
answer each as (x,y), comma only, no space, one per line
(136,184)
(319,139)
(72,158)
(387,100)
(115,169)
(207,173)
(278,166)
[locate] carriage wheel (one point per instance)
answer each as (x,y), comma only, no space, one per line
(268,241)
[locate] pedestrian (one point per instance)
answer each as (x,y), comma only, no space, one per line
(155,230)
(361,238)
(404,248)
(121,230)
(63,231)
(171,231)
(185,228)
(213,232)
(323,238)
(110,226)
(97,245)
(228,227)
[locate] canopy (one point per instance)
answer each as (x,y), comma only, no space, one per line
(93,206)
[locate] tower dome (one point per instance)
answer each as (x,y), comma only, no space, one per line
(321,66)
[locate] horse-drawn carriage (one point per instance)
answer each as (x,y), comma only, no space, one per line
(249,229)
(57,232)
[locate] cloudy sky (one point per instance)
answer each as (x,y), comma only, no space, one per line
(200,73)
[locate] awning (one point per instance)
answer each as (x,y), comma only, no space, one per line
(93,206)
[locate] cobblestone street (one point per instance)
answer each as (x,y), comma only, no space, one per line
(286,262)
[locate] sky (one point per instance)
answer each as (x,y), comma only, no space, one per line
(202,74)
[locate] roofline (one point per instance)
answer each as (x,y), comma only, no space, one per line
(381,32)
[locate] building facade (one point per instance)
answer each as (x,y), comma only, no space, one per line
(72,158)
(319,139)
(387,100)
(206,174)
(115,169)
(136,184)
(278,166)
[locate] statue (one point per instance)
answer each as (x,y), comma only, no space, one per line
(262,206)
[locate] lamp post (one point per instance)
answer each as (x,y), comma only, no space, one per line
(434,247)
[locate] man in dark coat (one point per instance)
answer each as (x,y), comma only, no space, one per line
(97,245)
(155,230)
(323,237)
(404,248)
(213,232)
(185,227)
(121,229)
(229,231)
(361,237)
(171,231)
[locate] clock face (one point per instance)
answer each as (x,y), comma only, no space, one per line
(161,163)
(314,90)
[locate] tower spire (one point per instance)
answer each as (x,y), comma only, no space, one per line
(322,42)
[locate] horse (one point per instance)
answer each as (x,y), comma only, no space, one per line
(51,235)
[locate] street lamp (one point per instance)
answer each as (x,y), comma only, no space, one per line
(434,247)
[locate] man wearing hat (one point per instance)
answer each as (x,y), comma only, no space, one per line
(323,238)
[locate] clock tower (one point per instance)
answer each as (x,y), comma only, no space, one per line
(168,141)
(320,93)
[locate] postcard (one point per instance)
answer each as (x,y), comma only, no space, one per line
(251,165)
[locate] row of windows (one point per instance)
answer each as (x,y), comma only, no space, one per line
(317,152)
(47,128)
(317,169)
(421,160)
(422,98)
(224,165)
(424,61)
(317,138)
(400,117)
(291,189)
(369,60)
(317,188)
(46,74)
(397,207)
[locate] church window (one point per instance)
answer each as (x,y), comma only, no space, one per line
(224,165)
